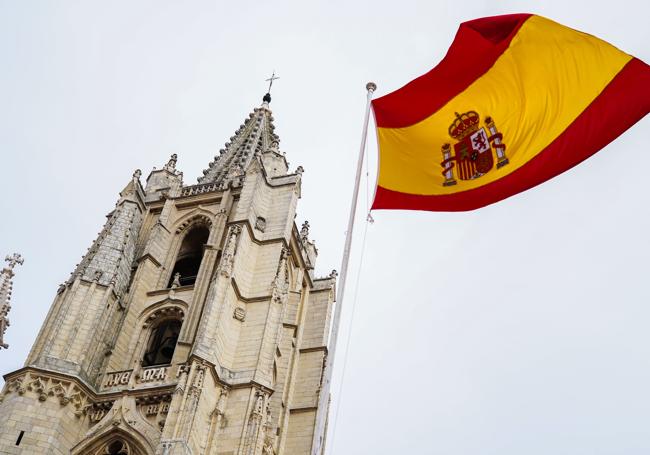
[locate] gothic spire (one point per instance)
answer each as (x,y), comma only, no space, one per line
(6,284)
(254,137)
(108,261)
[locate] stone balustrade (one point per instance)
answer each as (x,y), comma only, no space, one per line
(199,189)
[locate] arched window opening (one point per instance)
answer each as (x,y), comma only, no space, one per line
(162,343)
(118,448)
(189,257)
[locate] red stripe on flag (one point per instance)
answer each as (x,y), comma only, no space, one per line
(624,101)
(477,45)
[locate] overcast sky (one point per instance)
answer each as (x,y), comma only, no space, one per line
(521,328)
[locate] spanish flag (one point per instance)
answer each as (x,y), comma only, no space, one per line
(517,100)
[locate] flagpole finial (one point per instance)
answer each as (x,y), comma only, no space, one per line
(371,86)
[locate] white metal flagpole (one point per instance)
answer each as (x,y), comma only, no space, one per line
(323,398)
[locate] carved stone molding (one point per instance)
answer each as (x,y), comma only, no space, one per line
(154,408)
(229,250)
(260,224)
(97,411)
(280,284)
(165,312)
(46,387)
(199,219)
(124,419)
(239,314)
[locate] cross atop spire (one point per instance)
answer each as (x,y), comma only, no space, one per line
(267,97)
(271,79)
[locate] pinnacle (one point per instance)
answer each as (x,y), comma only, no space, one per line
(6,284)
(253,137)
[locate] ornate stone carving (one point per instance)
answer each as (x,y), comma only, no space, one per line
(239,314)
(117,378)
(198,219)
(228,257)
(176,282)
(124,418)
(280,284)
(172,312)
(97,411)
(5,293)
(253,438)
(304,232)
(171,164)
(153,374)
(154,408)
(260,224)
(220,407)
(45,387)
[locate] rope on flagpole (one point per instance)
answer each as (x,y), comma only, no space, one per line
(349,334)
(324,394)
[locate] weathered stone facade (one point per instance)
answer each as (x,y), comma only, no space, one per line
(193,325)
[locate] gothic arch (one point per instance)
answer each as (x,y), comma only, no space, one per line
(167,309)
(198,216)
(163,308)
(196,219)
(114,443)
(122,423)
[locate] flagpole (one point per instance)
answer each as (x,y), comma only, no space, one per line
(323,398)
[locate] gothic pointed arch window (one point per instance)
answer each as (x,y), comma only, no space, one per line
(116,447)
(162,343)
(189,256)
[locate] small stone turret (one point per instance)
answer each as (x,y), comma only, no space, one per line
(164,182)
(80,326)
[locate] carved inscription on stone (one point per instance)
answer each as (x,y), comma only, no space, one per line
(153,374)
(117,379)
(97,411)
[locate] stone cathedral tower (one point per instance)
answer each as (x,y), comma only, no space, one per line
(194,324)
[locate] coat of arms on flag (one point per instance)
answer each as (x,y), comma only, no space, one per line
(472,154)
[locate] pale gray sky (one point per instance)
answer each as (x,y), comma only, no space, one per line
(518,328)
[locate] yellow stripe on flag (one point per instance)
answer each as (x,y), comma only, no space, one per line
(539,72)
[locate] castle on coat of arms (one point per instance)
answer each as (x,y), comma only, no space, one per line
(194,324)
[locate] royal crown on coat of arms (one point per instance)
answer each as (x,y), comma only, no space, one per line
(472,155)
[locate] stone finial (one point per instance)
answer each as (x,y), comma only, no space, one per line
(171,164)
(304,231)
(229,250)
(6,275)
(137,174)
(275,147)
(334,274)
(300,170)
(13,260)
